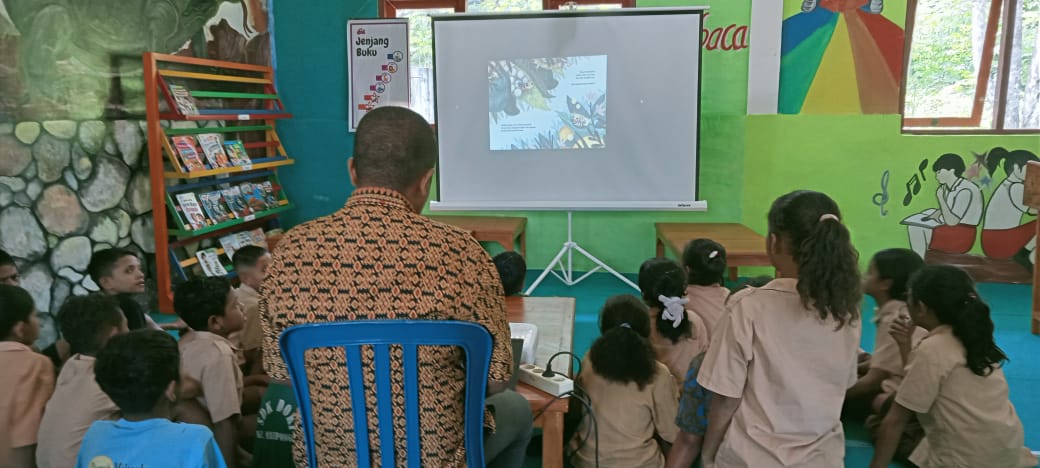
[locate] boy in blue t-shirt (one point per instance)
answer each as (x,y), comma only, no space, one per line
(140,372)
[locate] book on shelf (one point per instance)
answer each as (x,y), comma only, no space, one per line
(254,196)
(209,260)
(236,152)
(191,210)
(214,205)
(269,196)
(182,98)
(230,244)
(213,147)
(235,202)
(252,237)
(185,147)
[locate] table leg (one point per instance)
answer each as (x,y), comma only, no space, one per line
(523,244)
(552,440)
(660,249)
(733,273)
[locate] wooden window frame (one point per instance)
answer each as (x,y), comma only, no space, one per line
(556,4)
(969,125)
(388,8)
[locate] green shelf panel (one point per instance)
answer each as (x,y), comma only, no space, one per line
(232,95)
(196,131)
(184,233)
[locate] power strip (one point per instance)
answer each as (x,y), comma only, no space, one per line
(555,385)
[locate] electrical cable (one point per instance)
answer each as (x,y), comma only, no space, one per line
(548,365)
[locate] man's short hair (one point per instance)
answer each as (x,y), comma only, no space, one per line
(247,256)
(135,368)
(393,147)
(512,269)
(104,260)
(6,258)
(83,319)
(200,298)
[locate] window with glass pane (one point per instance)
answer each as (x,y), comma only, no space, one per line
(965,72)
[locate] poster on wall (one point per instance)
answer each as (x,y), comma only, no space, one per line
(378,65)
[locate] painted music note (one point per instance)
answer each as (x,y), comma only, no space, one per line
(881,198)
(921,167)
(913,187)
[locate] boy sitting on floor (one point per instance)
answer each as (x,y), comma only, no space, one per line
(251,264)
(140,371)
(211,309)
(28,378)
(87,322)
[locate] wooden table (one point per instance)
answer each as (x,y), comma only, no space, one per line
(505,231)
(554,317)
(1031,198)
(744,247)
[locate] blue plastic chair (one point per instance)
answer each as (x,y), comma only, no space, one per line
(474,340)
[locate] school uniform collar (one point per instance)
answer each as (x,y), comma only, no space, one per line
(195,335)
(940,330)
(789,285)
(13,346)
(248,290)
(891,304)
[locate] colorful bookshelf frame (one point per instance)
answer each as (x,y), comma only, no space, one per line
(168,175)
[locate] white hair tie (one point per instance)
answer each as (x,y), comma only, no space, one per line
(673,309)
(828,216)
(713,254)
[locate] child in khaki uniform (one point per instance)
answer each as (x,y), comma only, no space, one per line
(211,309)
(785,353)
(705,262)
(632,395)
(676,334)
(28,378)
(87,323)
(954,381)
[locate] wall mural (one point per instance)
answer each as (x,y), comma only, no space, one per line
(993,235)
(841,56)
(73,152)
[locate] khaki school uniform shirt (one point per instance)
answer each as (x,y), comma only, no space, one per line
(886,355)
(77,402)
(627,419)
(27,383)
(210,359)
(252,334)
(677,356)
(709,302)
(791,370)
(968,420)
(377,258)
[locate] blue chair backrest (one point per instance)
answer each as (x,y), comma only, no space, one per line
(473,338)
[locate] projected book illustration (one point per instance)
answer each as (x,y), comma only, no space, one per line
(548,103)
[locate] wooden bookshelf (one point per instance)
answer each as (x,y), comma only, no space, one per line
(235,100)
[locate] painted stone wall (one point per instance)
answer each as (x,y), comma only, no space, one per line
(68,189)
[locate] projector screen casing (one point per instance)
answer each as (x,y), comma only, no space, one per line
(651,152)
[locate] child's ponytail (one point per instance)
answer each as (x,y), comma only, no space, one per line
(809,224)
(663,284)
(950,293)
(623,353)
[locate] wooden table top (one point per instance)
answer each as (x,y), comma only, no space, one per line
(481,224)
(739,240)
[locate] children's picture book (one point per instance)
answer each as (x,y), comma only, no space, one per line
(269,196)
(213,146)
(230,243)
(236,152)
(182,97)
(253,237)
(209,260)
(235,202)
(923,219)
(214,205)
(185,147)
(254,195)
(191,210)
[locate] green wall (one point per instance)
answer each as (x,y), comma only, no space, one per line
(845,156)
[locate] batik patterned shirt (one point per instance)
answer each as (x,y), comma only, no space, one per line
(378,259)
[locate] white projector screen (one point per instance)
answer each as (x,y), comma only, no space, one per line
(571,110)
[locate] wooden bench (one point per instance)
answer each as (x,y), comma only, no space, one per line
(504,231)
(1031,198)
(744,247)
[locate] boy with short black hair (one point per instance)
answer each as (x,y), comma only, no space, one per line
(117,272)
(251,264)
(211,309)
(28,378)
(9,270)
(87,323)
(140,371)
(512,269)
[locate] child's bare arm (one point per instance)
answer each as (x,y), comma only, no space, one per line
(720,415)
(226,434)
(685,451)
(888,439)
(902,330)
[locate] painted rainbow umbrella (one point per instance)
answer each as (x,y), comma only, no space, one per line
(840,59)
